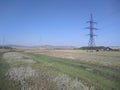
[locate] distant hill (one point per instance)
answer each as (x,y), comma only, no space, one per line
(54,47)
(43,47)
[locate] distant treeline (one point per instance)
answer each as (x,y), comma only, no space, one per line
(95,48)
(6,47)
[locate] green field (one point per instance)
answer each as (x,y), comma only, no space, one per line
(104,78)
(97,70)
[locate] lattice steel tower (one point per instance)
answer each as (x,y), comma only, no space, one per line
(91,43)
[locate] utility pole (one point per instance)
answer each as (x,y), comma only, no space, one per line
(91,43)
(3,42)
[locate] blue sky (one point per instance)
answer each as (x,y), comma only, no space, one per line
(59,22)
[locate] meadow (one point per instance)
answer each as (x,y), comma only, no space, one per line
(61,69)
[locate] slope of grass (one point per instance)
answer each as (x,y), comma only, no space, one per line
(103,78)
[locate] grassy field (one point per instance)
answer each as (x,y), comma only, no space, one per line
(5,84)
(103,77)
(69,69)
(103,58)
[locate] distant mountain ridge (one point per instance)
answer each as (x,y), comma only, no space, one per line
(52,46)
(43,46)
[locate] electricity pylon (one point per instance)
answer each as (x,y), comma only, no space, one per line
(91,43)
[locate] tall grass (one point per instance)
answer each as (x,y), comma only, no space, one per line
(5,83)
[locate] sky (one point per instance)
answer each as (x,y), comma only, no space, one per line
(59,22)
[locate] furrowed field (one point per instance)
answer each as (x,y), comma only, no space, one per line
(35,69)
